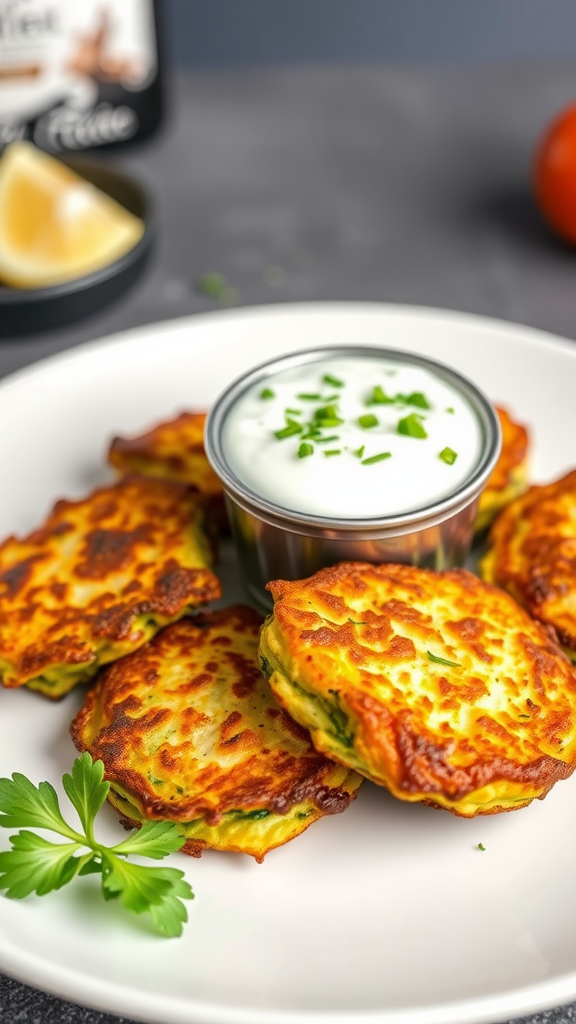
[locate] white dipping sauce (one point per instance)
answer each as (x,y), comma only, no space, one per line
(322,469)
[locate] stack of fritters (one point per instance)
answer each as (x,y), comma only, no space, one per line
(509,478)
(97,580)
(174,450)
(436,685)
(532,555)
(189,731)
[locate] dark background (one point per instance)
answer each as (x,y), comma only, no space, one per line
(202,33)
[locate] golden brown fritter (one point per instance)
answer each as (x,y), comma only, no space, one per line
(509,478)
(436,685)
(189,731)
(532,555)
(174,450)
(97,580)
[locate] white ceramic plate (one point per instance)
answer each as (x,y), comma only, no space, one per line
(386,913)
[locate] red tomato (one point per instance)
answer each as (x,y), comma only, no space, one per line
(555,174)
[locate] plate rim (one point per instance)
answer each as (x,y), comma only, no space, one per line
(109,997)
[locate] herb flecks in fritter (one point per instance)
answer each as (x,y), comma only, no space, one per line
(509,478)
(189,732)
(174,450)
(435,685)
(532,555)
(98,579)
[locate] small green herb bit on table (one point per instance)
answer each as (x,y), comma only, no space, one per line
(35,864)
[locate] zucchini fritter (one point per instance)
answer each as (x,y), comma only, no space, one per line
(436,685)
(97,580)
(189,731)
(174,450)
(509,478)
(532,555)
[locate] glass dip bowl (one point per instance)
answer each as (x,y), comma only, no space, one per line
(349,453)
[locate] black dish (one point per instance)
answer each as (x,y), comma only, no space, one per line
(23,310)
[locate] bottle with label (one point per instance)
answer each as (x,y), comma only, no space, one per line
(78,74)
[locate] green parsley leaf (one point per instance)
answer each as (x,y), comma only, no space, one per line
(332,381)
(448,455)
(376,458)
(368,421)
(411,426)
(305,449)
(35,864)
(267,393)
(442,661)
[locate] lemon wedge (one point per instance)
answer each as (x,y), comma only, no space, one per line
(54,225)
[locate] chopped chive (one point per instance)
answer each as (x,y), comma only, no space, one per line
(481,847)
(368,420)
(332,381)
(327,440)
(304,397)
(442,661)
(379,397)
(448,455)
(292,412)
(333,451)
(326,412)
(376,458)
(267,393)
(291,428)
(355,622)
(450,409)
(359,452)
(524,716)
(419,399)
(411,426)
(312,434)
(304,450)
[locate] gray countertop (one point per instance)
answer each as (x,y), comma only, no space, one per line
(382,183)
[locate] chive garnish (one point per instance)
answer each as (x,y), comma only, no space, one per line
(332,381)
(333,451)
(376,458)
(292,412)
(368,420)
(524,716)
(379,397)
(442,661)
(481,847)
(411,426)
(305,397)
(327,440)
(267,393)
(304,450)
(359,452)
(448,455)
(419,399)
(450,409)
(291,428)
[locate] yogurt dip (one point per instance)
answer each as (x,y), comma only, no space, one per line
(353,437)
(350,454)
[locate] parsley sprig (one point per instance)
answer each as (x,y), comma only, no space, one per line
(34,864)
